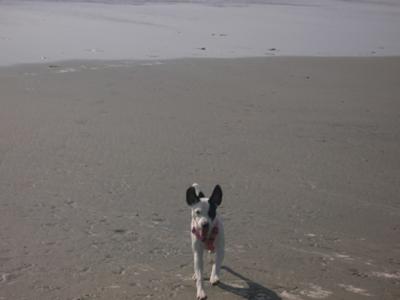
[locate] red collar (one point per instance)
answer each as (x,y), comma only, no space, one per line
(208,242)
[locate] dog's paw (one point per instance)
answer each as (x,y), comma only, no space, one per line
(201,295)
(214,280)
(194,277)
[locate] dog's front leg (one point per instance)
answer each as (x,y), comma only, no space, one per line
(219,257)
(198,271)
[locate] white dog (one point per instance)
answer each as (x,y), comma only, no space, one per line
(207,233)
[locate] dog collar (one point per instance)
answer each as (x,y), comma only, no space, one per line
(208,242)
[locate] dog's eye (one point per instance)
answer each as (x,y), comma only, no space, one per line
(197,212)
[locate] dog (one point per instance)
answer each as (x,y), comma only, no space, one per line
(207,233)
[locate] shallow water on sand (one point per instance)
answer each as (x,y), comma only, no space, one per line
(69,30)
(222,2)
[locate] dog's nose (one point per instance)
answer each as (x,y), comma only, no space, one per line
(205,226)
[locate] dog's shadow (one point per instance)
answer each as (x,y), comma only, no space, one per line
(253,290)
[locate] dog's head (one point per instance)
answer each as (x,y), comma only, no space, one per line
(204,210)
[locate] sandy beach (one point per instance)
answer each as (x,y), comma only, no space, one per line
(109,112)
(95,158)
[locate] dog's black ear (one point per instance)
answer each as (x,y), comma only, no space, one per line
(216,196)
(191,197)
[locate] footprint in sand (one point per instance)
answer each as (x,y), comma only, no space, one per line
(81,121)
(357,273)
(355,290)
(395,275)
(8,277)
(71,203)
(316,292)
(118,270)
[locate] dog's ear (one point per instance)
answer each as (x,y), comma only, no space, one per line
(216,196)
(191,197)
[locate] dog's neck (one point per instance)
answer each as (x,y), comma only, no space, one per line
(210,238)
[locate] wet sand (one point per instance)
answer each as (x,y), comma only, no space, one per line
(95,158)
(35,31)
